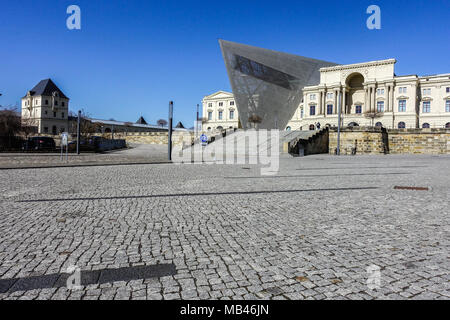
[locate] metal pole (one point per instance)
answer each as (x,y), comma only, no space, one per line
(338,149)
(170,129)
(196,123)
(78,131)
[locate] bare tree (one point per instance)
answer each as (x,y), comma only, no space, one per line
(162,122)
(10,127)
(255,120)
(373,116)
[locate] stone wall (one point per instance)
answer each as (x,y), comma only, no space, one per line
(178,137)
(368,140)
(419,141)
(357,140)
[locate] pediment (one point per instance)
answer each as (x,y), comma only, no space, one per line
(220,95)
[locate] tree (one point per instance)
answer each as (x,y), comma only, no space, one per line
(255,120)
(373,116)
(162,122)
(10,128)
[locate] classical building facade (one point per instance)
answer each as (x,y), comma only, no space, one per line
(46,107)
(219,112)
(370,94)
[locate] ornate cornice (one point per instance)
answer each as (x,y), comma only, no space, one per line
(359,65)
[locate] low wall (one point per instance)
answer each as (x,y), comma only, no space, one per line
(419,141)
(369,140)
(358,140)
(178,137)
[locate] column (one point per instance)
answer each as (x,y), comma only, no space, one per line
(335,101)
(366,105)
(344,107)
(319,111)
(324,103)
(372,96)
(392,99)
(387,107)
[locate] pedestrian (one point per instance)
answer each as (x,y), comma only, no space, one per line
(318,125)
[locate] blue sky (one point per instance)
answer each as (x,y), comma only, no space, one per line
(132,57)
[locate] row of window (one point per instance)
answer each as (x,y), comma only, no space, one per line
(400,125)
(55,114)
(220,104)
(220,115)
(426,107)
(380,92)
(63,104)
(54,130)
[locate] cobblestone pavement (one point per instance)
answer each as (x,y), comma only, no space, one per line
(310,232)
(135,154)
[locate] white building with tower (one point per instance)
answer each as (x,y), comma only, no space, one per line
(46,107)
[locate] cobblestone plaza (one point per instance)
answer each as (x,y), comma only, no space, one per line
(312,231)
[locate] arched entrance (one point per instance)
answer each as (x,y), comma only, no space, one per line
(356,93)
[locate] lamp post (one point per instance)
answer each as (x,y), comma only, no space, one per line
(78,131)
(338,149)
(170,129)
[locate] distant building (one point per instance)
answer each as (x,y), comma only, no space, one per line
(220,112)
(370,94)
(46,107)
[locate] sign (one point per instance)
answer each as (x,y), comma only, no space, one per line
(64,139)
(204,139)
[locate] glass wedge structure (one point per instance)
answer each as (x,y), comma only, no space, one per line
(268,85)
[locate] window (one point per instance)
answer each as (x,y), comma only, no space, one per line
(45,112)
(220,115)
(378,124)
(231,103)
(312,127)
(402,90)
(426,125)
(312,97)
(402,106)
(447,89)
(401,125)
(447,106)
(301,112)
(62,103)
(220,104)
(312,110)
(231,114)
(288,128)
(210,105)
(45,129)
(330,109)
(46,102)
(427,92)
(426,107)
(380,92)
(380,106)
(56,103)
(329,96)
(62,115)
(209,115)
(54,114)
(63,129)
(447,125)
(358,109)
